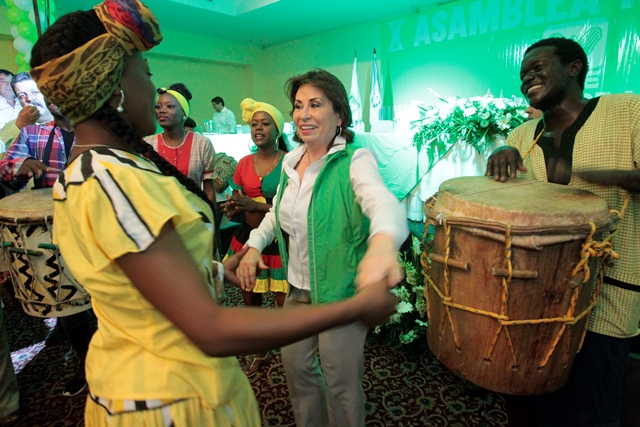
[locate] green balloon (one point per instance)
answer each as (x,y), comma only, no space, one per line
(16,16)
(23,68)
(21,60)
(27,30)
(10,3)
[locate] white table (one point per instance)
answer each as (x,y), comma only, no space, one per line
(400,166)
(235,145)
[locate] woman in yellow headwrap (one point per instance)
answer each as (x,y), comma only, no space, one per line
(190,152)
(139,236)
(254,184)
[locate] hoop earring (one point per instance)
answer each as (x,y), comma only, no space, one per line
(339,131)
(120,109)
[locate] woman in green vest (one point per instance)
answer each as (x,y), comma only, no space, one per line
(339,229)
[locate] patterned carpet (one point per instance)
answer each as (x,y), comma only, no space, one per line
(404,387)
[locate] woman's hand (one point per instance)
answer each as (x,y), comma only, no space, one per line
(380,262)
(248,267)
(243,203)
(378,304)
(231,264)
(228,209)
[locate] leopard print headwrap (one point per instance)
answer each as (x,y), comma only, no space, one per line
(80,82)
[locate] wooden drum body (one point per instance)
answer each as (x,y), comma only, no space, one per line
(507,307)
(41,279)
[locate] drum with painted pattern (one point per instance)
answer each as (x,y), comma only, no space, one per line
(43,284)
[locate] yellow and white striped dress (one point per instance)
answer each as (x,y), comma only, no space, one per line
(141,369)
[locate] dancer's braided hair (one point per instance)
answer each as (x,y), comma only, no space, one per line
(67,34)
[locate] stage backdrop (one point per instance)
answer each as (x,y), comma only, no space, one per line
(469,46)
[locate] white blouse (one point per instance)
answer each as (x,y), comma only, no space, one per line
(386,214)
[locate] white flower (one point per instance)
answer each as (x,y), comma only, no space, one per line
(445,111)
(401,292)
(404,307)
(499,103)
(484,115)
(503,122)
(469,111)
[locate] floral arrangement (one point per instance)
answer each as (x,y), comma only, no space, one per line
(409,323)
(476,121)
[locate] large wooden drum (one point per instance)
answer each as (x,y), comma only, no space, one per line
(43,284)
(507,298)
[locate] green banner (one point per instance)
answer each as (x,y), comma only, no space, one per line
(470,46)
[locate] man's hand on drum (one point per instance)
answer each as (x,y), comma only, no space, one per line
(380,262)
(504,162)
(248,268)
(32,167)
(626,179)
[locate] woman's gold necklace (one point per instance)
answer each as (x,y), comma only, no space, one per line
(273,165)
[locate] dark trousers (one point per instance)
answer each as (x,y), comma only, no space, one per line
(592,396)
(79,328)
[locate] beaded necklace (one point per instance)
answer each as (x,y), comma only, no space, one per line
(166,150)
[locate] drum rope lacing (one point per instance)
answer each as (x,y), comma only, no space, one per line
(590,248)
(39,292)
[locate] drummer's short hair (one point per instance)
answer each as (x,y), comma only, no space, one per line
(567,50)
(20,77)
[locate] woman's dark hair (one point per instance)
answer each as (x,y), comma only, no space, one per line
(190,123)
(282,144)
(567,50)
(332,88)
(67,34)
(178,87)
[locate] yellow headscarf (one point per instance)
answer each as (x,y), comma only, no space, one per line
(184,103)
(80,82)
(250,107)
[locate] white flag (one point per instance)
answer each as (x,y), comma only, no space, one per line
(375,98)
(355,102)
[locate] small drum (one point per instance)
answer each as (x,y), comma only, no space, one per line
(41,279)
(508,297)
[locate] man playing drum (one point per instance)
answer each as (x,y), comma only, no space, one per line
(40,150)
(594,145)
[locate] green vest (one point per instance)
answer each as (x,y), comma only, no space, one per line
(338,230)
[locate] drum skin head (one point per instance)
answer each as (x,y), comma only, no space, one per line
(519,202)
(28,204)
